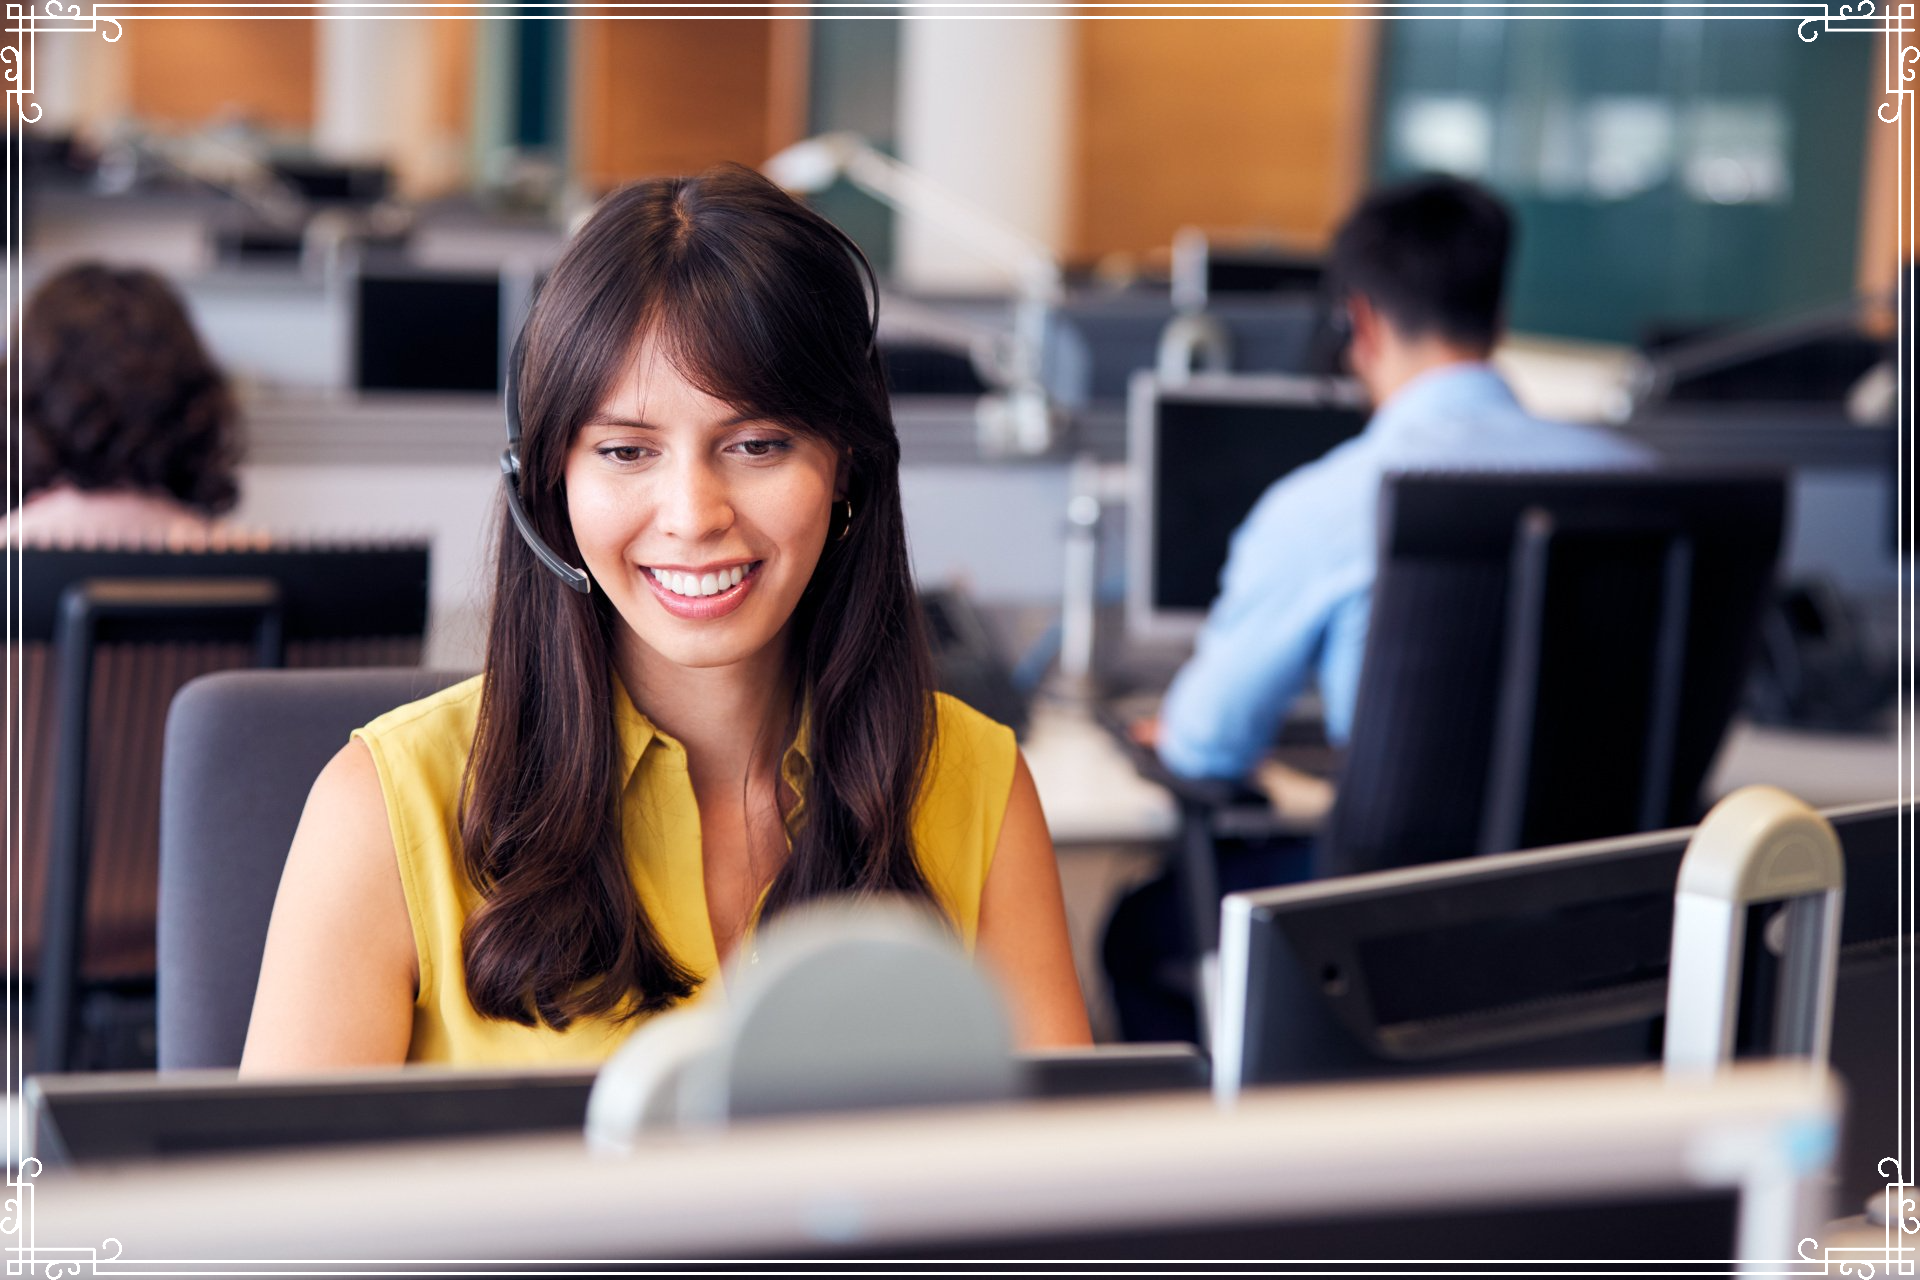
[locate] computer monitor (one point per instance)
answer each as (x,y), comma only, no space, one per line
(86,1119)
(1549,957)
(427,331)
(1095,343)
(1208,270)
(1201,453)
(328,182)
(1589,1165)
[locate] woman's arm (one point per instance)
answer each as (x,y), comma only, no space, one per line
(338,979)
(1023,927)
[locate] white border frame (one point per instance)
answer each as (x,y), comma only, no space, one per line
(1811,21)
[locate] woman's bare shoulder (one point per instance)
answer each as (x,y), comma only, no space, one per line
(338,977)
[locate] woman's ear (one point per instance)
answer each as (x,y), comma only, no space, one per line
(842,473)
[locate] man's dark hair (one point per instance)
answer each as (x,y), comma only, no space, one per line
(1430,255)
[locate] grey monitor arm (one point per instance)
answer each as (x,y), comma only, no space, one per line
(1758,845)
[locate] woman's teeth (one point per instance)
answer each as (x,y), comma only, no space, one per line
(702,584)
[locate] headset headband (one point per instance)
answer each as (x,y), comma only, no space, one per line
(510,473)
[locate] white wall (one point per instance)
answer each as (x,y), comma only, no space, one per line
(984,109)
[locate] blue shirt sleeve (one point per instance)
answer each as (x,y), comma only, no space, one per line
(1291,569)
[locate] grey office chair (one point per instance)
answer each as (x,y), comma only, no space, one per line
(242,751)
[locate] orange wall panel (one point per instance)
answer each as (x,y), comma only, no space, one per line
(1220,124)
(675,96)
(188,73)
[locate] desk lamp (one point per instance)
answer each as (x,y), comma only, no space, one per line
(1020,419)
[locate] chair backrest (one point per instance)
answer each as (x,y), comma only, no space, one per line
(345,604)
(242,751)
(1550,657)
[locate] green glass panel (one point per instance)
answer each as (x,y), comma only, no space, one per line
(1665,172)
(853,85)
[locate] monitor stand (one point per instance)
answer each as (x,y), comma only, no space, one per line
(1758,845)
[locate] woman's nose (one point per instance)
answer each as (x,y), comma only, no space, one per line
(695,504)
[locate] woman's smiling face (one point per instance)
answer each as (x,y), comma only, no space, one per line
(702,526)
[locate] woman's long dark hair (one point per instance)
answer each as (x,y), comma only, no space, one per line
(762,304)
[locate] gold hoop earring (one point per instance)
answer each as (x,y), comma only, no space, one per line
(846,528)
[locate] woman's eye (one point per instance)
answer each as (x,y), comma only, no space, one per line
(763,447)
(622,452)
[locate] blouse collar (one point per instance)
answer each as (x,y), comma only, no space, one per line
(638,734)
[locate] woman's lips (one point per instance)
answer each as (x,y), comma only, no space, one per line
(702,608)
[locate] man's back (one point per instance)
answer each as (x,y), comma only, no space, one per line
(1295,592)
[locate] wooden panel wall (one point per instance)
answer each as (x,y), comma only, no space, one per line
(675,96)
(189,73)
(1222,124)
(1884,242)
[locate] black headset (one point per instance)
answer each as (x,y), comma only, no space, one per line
(510,472)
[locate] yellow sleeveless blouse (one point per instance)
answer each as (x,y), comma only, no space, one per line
(420,751)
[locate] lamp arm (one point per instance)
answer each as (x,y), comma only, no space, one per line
(904,189)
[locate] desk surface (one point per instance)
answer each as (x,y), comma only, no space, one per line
(1090,791)
(1093,796)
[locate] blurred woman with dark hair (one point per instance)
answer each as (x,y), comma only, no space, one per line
(129,432)
(727,714)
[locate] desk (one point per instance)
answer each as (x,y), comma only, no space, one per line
(1093,796)
(1824,769)
(1089,789)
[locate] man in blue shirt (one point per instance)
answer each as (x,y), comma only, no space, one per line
(1421,267)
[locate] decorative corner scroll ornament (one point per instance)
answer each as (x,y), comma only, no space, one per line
(1909,56)
(17,1224)
(1860,16)
(24,24)
(1896,23)
(25,1256)
(16,56)
(1893,1257)
(73,17)
(59,1264)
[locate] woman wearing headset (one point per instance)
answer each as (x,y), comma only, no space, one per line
(728,713)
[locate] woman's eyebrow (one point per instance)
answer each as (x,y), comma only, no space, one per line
(641,424)
(614,420)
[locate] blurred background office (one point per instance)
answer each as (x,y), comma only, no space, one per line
(357,210)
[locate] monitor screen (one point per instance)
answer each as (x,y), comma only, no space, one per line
(1688,1223)
(1252,272)
(1208,270)
(325,182)
(1096,343)
(427,332)
(1204,451)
